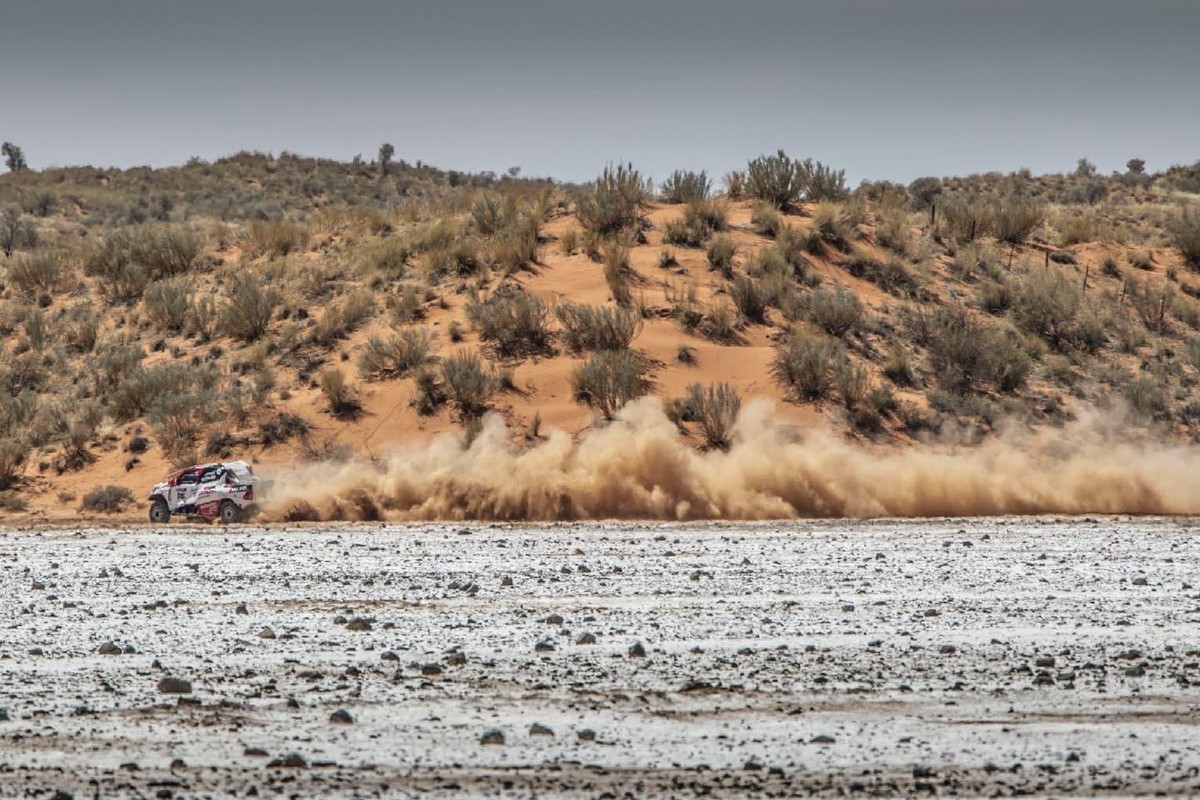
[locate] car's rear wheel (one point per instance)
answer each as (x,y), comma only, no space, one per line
(230,513)
(160,512)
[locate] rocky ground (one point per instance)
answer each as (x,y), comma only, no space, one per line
(948,657)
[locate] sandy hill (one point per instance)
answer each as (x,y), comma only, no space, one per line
(296,312)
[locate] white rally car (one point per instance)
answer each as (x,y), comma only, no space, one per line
(224,491)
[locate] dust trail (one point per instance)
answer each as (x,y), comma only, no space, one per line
(637,467)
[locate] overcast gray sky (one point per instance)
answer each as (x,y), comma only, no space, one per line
(883,89)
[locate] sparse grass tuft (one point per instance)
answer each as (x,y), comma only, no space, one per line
(685,187)
(511,319)
(715,408)
(396,355)
(609,379)
(804,364)
(588,327)
(107,500)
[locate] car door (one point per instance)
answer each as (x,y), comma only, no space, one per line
(186,487)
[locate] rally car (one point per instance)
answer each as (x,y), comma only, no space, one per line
(224,491)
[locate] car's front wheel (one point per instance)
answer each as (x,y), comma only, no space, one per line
(160,512)
(230,513)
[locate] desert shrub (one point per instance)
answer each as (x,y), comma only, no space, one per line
(168,303)
(12,502)
(888,274)
(965,353)
(892,229)
(715,409)
(719,323)
(343,317)
(275,239)
(995,297)
(177,422)
(514,321)
(700,220)
(1012,219)
(961,217)
(1151,304)
(804,364)
(791,244)
(898,369)
(343,400)
(720,253)
(142,388)
(775,179)
(666,258)
(1185,233)
(38,273)
(569,241)
(609,379)
(588,327)
(616,273)
(1047,304)
(459,258)
(782,181)
(515,247)
(924,192)
(107,500)
(735,184)
(387,259)
(127,260)
(749,299)
(13,452)
(767,220)
(467,383)
(611,203)
(408,305)
(831,226)
(852,381)
(490,214)
(249,309)
(281,428)
(396,355)
(80,327)
(685,186)
(1148,396)
(837,313)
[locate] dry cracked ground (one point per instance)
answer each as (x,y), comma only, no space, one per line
(946,657)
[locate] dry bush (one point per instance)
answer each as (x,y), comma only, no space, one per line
(343,317)
(397,355)
(459,258)
(685,187)
(1012,219)
(749,299)
(107,500)
(177,422)
(719,323)
(588,327)
(735,185)
(837,313)
(168,303)
(830,225)
(1185,233)
(609,379)
(888,274)
(720,253)
(1047,304)
(965,353)
(767,220)
(776,179)
(127,260)
(249,309)
(568,242)
(142,388)
(715,409)
(275,239)
(512,320)
(13,452)
(343,400)
(961,218)
(468,385)
(805,363)
(611,204)
(616,273)
(42,272)
(893,229)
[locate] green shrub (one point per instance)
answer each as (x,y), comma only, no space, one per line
(249,309)
(609,379)
(685,187)
(1047,304)
(720,253)
(107,500)
(588,327)
(611,203)
(804,364)
(467,384)
(616,273)
(512,320)
(177,422)
(397,355)
(142,388)
(749,299)
(168,303)
(837,313)
(888,274)
(1185,233)
(776,179)
(966,353)
(715,408)
(343,400)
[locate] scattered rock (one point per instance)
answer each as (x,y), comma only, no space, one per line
(494,736)
(637,650)
(109,649)
(822,739)
(586,735)
(174,686)
(341,717)
(288,761)
(538,729)
(266,633)
(586,638)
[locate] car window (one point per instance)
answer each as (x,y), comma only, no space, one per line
(210,475)
(188,478)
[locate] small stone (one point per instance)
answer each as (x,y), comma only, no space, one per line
(586,638)
(359,624)
(174,686)
(494,736)
(586,735)
(1045,662)
(543,647)
(109,649)
(922,771)
(553,619)
(507,581)
(341,717)
(178,763)
(1140,582)
(947,649)
(637,650)
(289,761)
(266,633)
(254,752)
(389,655)
(431,669)
(847,607)
(823,739)
(538,729)
(241,609)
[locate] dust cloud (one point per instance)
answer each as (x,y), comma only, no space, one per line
(638,467)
